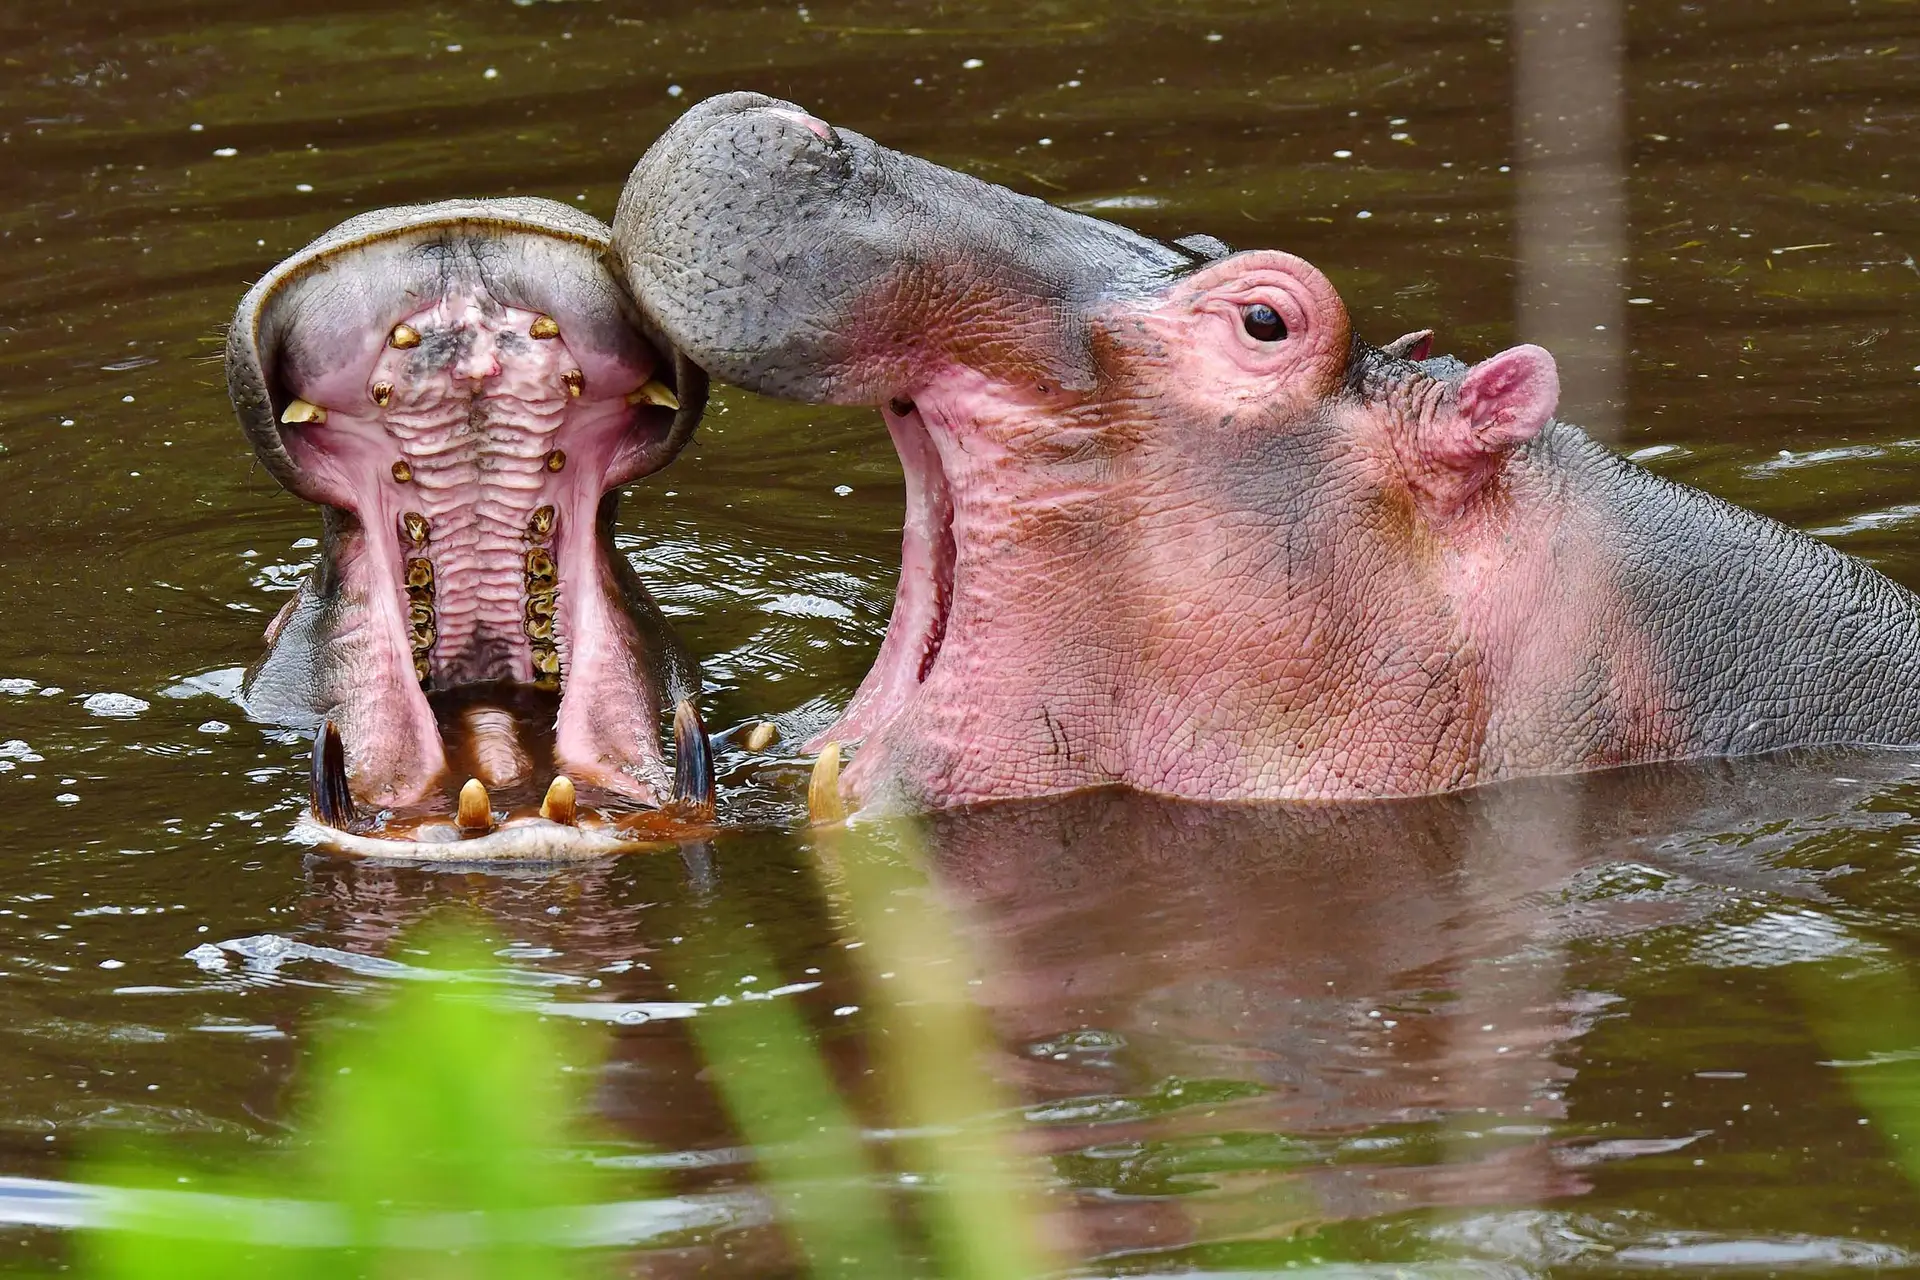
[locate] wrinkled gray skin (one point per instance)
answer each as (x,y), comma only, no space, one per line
(803,261)
(323,318)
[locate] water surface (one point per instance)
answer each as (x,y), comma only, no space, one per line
(1550,1027)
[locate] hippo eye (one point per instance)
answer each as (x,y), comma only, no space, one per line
(1263,323)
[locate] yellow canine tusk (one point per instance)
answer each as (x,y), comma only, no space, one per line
(558,806)
(476,807)
(300,411)
(655,392)
(824,805)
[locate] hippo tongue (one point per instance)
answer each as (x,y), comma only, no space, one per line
(460,388)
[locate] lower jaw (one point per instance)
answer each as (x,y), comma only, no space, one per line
(917,632)
(472,771)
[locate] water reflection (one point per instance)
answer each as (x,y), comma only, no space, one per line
(1159,976)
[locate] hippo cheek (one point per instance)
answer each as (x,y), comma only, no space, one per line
(463,388)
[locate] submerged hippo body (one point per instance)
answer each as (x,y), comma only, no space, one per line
(462,387)
(1170,525)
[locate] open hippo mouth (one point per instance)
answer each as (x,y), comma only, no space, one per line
(463,387)
(809,262)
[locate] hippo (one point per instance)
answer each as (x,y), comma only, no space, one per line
(1172,526)
(463,387)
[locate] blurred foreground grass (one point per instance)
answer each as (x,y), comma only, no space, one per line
(440,1133)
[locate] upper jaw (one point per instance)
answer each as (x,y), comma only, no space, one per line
(463,386)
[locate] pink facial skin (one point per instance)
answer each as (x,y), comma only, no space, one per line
(1240,569)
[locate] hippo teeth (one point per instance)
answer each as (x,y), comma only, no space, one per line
(824,805)
(693,783)
(476,807)
(558,806)
(332,798)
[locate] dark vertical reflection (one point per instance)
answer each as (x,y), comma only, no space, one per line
(1569,113)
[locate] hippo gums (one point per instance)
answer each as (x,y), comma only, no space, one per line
(1171,525)
(463,387)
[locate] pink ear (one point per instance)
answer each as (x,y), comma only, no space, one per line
(1507,399)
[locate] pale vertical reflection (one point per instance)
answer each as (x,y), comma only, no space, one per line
(1569,115)
(1511,1027)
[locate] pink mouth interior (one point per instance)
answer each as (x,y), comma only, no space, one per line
(474,456)
(923,602)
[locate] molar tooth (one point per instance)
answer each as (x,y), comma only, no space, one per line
(403,336)
(298,411)
(540,605)
(546,666)
(421,671)
(539,565)
(575,381)
(559,804)
(382,393)
(476,807)
(415,528)
(761,736)
(540,628)
(556,460)
(544,328)
(824,805)
(402,471)
(420,573)
(541,526)
(655,392)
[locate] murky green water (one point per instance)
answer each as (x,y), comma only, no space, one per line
(1553,1027)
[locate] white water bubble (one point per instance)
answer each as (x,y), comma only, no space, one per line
(973,64)
(67,797)
(1364,213)
(226,153)
(674,91)
(215,726)
(196,128)
(208,957)
(1343,154)
(115,706)
(113,964)
(303,188)
(844,490)
(17,685)
(17,749)
(490,74)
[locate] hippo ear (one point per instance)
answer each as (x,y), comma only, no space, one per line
(1498,406)
(1504,401)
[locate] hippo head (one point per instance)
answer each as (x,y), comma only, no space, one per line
(1168,524)
(463,387)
